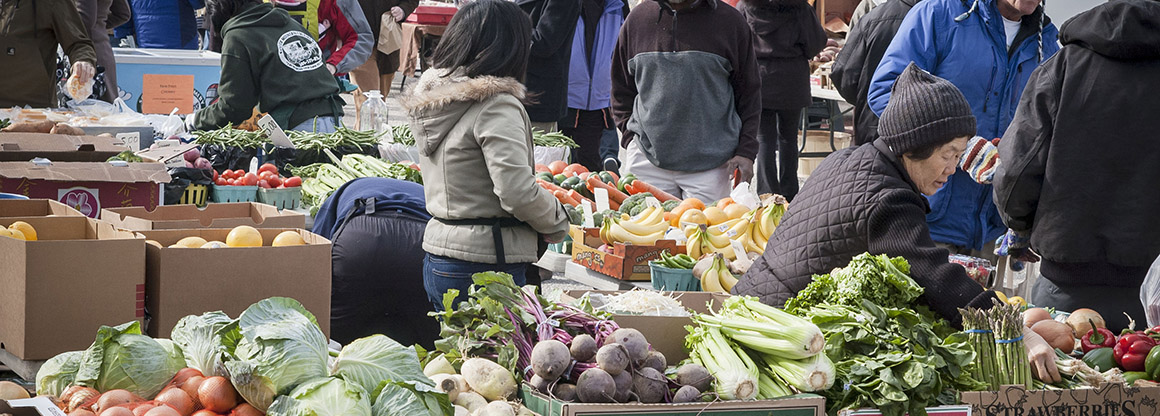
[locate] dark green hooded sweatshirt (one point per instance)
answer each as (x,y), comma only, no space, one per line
(270,61)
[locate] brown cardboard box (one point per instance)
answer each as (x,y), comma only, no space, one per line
(81,274)
(957,410)
(800,405)
(666,334)
(228,215)
(87,186)
(1107,400)
(22,147)
(170,156)
(626,262)
(819,141)
(191,281)
(13,208)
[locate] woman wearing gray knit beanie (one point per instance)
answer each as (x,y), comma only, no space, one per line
(870,199)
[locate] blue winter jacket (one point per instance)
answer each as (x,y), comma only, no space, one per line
(972,54)
(590,82)
(163,24)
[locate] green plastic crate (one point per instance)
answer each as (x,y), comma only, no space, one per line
(670,280)
(235,193)
(281,198)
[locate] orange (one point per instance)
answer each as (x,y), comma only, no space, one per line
(734,211)
(189,242)
(288,238)
(694,203)
(725,202)
(693,216)
(244,236)
(715,215)
(25,228)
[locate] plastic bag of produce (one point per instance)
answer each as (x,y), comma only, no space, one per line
(282,156)
(396,152)
(1150,294)
(545,155)
(182,178)
(228,157)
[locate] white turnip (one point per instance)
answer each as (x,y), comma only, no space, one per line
(471,401)
(489,379)
(447,383)
(438,365)
(496,408)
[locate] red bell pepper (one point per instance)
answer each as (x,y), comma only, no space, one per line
(1097,338)
(1132,350)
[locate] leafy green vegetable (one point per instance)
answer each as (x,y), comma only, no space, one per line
(409,399)
(280,347)
(127,156)
(369,361)
(879,279)
(58,373)
(229,136)
(122,358)
(5,123)
(203,340)
(889,353)
(327,396)
(553,139)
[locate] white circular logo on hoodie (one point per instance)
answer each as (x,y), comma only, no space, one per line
(299,52)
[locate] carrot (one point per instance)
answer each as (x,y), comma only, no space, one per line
(551,187)
(615,177)
(564,198)
(613,193)
(628,188)
(579,198)
(642,186)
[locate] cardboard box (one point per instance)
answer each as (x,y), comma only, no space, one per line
(932,411)
(23,147)
(191,281)
(227,215)
(1107,400)
(429,13)
(819,141)
(81,274)
(87,186)
(666,334)
(626,262)
(36,406)
(799,405)
(170,156)
(15,208)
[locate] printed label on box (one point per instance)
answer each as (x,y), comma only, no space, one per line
(85,200)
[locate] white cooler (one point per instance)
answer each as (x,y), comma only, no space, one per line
(134,64)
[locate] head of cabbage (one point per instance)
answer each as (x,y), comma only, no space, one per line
(58,373)
(279,347)
(123,358)
(329,396)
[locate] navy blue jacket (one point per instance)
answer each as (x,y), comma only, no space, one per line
(389,195)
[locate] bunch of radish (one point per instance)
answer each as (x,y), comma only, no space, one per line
(267,177)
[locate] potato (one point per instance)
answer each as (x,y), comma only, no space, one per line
(44,126)
(67,130)
(489,379)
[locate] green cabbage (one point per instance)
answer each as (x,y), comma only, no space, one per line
(372,360)
(327,396)
(280,347)
(204,340)
(122,358)
(58,373)
(394,398)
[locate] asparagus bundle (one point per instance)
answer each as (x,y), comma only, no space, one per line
(997,336)
(982,339)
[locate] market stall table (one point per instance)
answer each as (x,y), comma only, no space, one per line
(415,37)
(832,100)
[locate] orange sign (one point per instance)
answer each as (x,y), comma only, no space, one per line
(160,94)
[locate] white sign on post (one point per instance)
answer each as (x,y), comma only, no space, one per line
(589,221)
(601,195)
(132,140)
(274,132)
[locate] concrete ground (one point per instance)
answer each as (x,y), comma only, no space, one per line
(395,111)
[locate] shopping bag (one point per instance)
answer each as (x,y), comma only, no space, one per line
(1150,294)
(390,34)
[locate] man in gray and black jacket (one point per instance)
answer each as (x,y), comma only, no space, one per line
(686,95)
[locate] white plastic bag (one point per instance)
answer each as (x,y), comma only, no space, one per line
(744,195)
(1150,294)
(398,152)
(545,155)
(171,125)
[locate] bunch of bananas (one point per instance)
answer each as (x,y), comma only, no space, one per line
(717,277)
(763,221)
(645,229)
(716,239)
(679,261)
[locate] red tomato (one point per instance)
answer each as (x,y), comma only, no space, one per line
(220,181)
(215,175)
(250,179)
(231,182)
(268,167)
(264,184)
(292,182)
(230,174)
(274,181)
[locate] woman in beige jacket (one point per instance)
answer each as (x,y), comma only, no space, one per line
(475,148)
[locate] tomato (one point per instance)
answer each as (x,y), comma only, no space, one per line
(274,181)
(250,179)
(231,182)
(266,175)
(292,182)
(231,174)
(220,181)
(264,184)
(215,175)
(268,167)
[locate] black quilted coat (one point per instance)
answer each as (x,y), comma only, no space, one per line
(859,199)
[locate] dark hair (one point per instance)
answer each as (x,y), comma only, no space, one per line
(218,12)
(925,151)
(486,37)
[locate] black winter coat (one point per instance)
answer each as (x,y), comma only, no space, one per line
(859,200)
(854,68)
(553,27)
(787,36)
(1081,159)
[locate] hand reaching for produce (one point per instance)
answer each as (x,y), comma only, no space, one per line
(742,164)
(1041,356)
(398,14)
(1018,246)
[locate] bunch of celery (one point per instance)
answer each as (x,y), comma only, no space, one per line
(747,342)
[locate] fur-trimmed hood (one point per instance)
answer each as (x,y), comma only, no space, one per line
(436,90)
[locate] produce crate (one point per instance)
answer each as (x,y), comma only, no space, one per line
(235,193)
(225,215)
(799,405)
(187,281)
(665,333)
(57,291)
(1107,400)
(669,279)
(941,411)
(281,198)
(195,195)
(626,262)
(23,207)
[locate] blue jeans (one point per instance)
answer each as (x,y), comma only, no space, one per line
(320,124)
(609,145)
(443,273)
